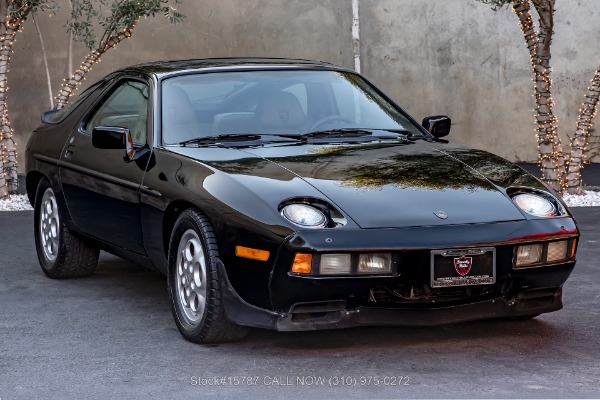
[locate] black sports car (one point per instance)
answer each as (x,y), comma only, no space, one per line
(290,195)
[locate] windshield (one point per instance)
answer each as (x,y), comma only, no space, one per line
(289,102)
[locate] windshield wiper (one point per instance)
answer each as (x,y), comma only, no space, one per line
(338,132)
(408,134)
(231,137)
(403,135)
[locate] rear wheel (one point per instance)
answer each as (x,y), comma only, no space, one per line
(194,282)
(61,253)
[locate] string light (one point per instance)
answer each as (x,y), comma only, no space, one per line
(70,85)
(580,139)
(12,24)
(8,148)
(563,175)
(551,155)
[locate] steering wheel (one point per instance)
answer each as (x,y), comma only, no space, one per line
(330,118)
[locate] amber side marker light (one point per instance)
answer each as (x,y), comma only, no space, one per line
(573,247)
(253,254)
(302,263)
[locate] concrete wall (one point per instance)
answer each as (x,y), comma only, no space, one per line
(454,57)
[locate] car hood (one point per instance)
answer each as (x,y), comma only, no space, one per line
(391,184)
(382,185)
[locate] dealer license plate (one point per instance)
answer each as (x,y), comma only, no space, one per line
(462,267)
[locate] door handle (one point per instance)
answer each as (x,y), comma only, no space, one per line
(69,151)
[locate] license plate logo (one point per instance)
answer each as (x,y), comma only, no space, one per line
(462,265)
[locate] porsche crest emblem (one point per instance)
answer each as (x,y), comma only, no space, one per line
(462,265)
(441,214)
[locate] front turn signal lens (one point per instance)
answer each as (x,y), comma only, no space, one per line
(302,263)
(529,254)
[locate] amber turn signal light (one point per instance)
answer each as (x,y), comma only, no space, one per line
(302,263)
(253,254)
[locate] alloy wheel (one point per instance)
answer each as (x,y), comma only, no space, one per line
(191,277)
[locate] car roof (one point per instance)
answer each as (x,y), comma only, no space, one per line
(164,68)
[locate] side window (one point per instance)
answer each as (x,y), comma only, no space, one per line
(70,107)
(126,107)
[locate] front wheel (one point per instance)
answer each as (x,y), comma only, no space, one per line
(61,253)
(194,282)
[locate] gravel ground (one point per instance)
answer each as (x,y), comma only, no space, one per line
(590,198)
(17,202)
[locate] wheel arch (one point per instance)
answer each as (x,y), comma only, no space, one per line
(32,180)
(172,212)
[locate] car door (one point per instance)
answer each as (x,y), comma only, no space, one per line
(101,186)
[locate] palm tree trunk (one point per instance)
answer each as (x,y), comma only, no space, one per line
(69,86)
(545,10)
(8,151)
(550,150)
(587,112)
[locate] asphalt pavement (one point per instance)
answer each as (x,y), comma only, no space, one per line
(112,336)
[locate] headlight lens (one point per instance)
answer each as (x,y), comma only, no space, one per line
(304,215)
(535,204)
(375,263)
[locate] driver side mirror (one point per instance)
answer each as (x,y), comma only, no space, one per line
(438,125)
(47,116)
(114,138)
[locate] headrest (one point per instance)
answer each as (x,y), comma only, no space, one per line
(177,106)
(280,110)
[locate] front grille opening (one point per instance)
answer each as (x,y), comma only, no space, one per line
(308,316)
(317,310)
(407,295)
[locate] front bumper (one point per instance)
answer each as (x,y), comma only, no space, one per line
(525,296)
(533,303)
(309,303)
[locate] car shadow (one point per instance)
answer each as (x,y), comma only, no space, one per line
(130,285)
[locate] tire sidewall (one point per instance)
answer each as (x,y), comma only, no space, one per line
(184,223)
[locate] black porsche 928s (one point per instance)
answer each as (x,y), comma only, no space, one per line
(290,195)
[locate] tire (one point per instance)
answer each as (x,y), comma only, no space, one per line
(61,253)
(194,282)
